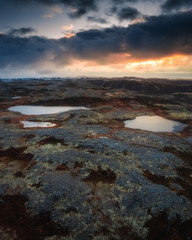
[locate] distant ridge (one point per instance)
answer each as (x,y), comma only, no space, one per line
(150,85)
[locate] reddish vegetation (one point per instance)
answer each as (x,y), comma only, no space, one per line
(17,155)
(73,101)
(185,156)
(185,181)
(157,179)
(18,174)
(185,173)
(78,165)
(100,175)
(21,160)
(31,164)
(28,136)
(51,140)
(160,228)
(62,167)
(14,218)
(187,132)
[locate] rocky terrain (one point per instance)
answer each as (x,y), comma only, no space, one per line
(89,177)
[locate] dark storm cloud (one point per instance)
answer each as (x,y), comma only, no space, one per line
(81,6)
(166,5)
(78,13)
(176,4)
(21,31)
(124,1)
(95,19)
(17,51)
(159,36)
(128,13)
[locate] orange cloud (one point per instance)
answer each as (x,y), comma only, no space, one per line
(122,64)
(170,67)
(67,27)
(163,64)
(69,35)
(138,20)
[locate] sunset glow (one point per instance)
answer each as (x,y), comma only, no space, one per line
(176,62)
(80,38)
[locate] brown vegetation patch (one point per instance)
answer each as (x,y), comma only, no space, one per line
(29,136)
(185,181)
(51,140)
(185,156)
(160,228)
(62,167)
(18,174)
(78,165)
(127,233)
(157,179)
(185,173)
(13,216)
(37,185)
(187,131)
(16,154)
(100,175)
(33,163)
(73,101)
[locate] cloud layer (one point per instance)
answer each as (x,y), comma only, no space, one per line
(176,4)
(159,36)
(21,31)
(128,13)
(82,7)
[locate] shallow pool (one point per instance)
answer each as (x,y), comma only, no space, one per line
(29,124)
(42,110)
(17,97)
(154,124)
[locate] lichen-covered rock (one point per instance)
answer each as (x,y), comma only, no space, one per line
(89,177)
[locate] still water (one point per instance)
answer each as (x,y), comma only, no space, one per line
(42,110)
(29,124)
(154,124)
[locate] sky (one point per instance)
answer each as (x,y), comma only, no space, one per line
(100,38)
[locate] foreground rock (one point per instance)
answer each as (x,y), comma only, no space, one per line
(87,176)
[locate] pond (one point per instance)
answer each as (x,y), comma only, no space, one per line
(16,97)
(42,110)
(154,124)
(29,124)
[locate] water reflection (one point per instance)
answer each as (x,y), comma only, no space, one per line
(42,110)
(29,124)
(154,124)
(17,97)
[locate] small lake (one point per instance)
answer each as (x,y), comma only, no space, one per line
(155,124)
(17,97)
(29,124)
(42,110)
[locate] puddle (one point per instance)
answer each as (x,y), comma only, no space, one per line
(17,97)
(154,124)
(28,124)
(42,110)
